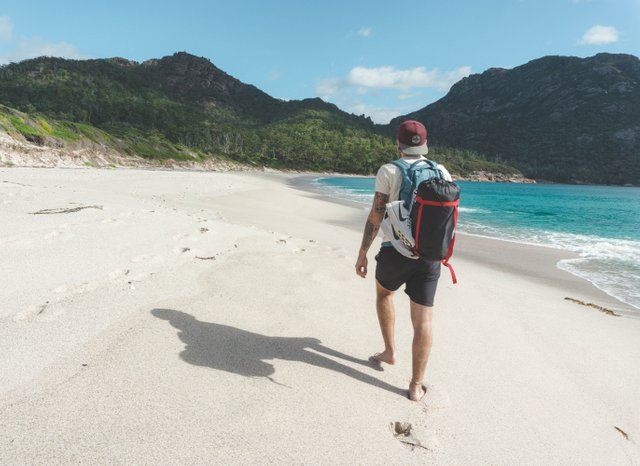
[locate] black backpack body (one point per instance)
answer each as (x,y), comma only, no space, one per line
(434,215)
(433,203)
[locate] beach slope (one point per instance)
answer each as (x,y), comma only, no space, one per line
(191,317)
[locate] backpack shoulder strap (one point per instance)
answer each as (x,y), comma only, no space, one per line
(405,185)
(409,170)
(433,166)
(401,164)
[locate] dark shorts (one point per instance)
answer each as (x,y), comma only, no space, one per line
(421,276)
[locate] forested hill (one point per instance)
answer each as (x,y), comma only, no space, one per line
(563,119)
(156,107)
(184,107)
(144,94)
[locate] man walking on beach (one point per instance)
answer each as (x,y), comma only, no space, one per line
(393,269)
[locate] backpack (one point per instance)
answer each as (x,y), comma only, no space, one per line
(428,210)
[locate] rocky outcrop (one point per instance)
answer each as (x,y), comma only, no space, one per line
(495,177)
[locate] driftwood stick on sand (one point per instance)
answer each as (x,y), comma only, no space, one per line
(624,434)
(63,210)
(595,306)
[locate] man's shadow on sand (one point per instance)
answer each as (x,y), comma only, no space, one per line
(245,353)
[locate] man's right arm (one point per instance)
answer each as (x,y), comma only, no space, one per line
(371,228)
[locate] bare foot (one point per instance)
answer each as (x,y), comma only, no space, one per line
(417,390)
(386,356)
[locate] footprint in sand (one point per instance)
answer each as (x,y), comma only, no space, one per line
(118,273)
(340,253)
(30,312)
(58,235)
(157,259)
(180,236)
(87,287)
(181,250)
(138,279)
(61,289)
(436,398)
(74,289)
(414,436)
(113,221)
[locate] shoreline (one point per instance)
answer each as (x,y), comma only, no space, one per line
(538,262)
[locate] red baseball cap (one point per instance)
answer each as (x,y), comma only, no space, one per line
(412,137)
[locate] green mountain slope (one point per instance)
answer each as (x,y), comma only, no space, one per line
(563,119)
(183,107)
(189,102)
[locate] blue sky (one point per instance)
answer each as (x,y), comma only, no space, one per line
(379,58)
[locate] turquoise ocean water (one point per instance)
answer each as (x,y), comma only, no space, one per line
(599,223)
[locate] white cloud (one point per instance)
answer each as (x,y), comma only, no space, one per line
(598,35)
(387,77)
(6,29)
(380,115)
(375,83)
(37,47)
(326,88)
(365,32)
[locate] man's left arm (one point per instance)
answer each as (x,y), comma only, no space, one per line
(371,228)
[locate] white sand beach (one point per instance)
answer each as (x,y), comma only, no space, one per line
(182,317)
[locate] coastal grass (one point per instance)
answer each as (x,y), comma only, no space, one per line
(66,132)
(21,126)
(94,134)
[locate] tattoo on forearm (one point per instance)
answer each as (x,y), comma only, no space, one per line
(371,227)
(380,202)
(370,232)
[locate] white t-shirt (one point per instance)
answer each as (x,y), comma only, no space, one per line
(389,180)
